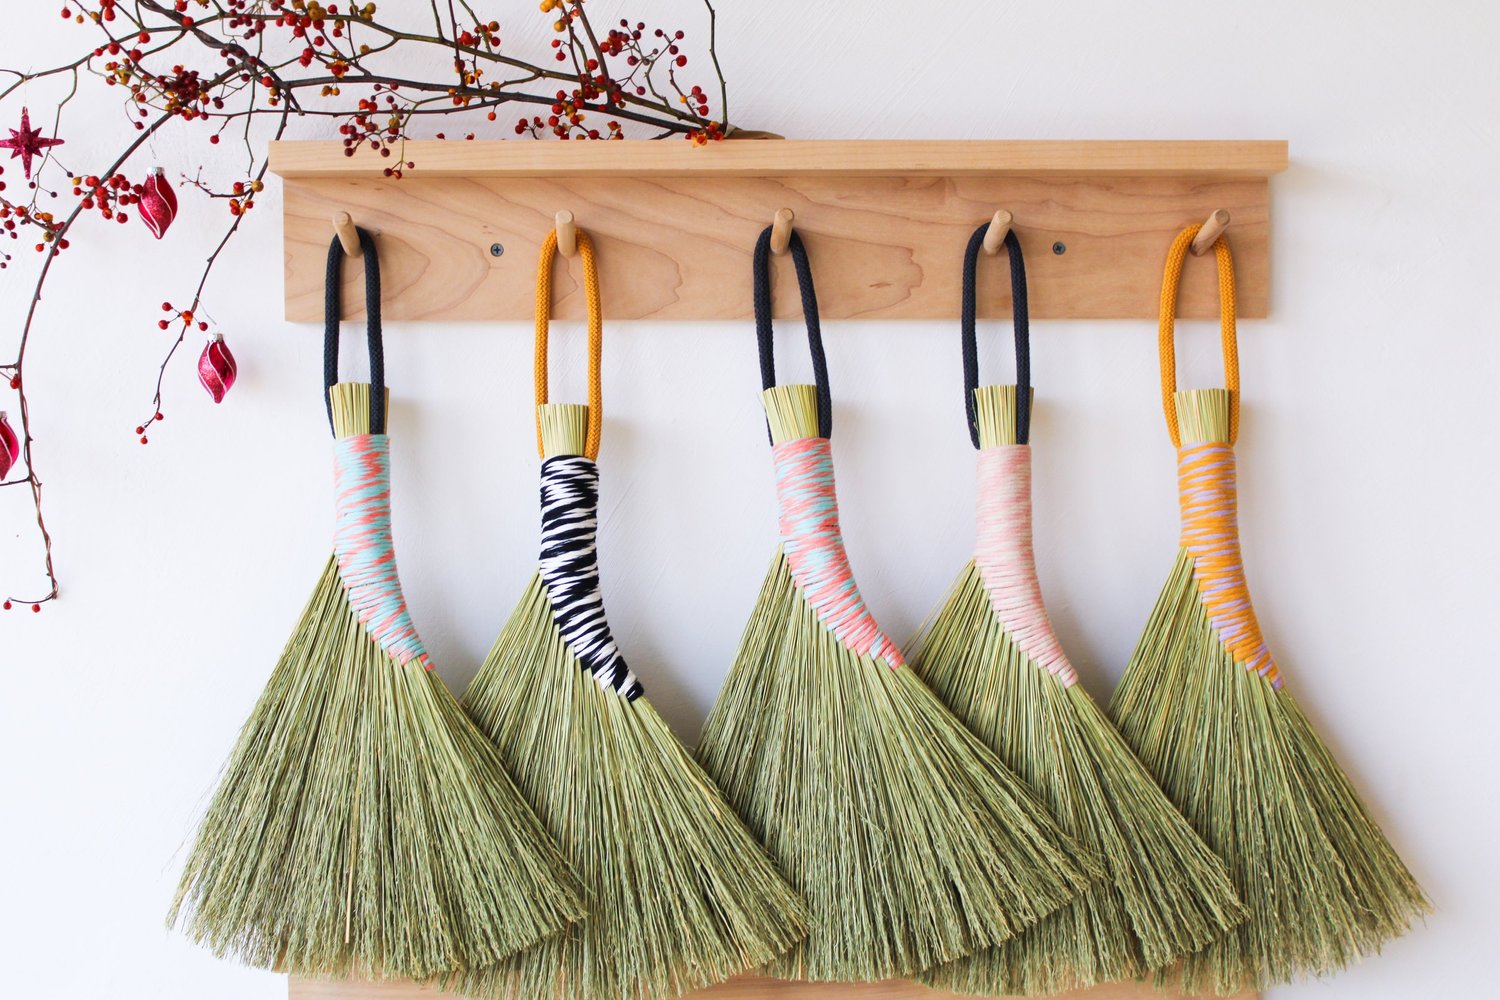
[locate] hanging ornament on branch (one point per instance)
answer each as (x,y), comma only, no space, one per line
(217,369)
(10,448)
(27,142)
(158,203)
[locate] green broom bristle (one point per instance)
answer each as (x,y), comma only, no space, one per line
(363,826)
(1167,894)
(681,895)
(911,842)
(1237,756)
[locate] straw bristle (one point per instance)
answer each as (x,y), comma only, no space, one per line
(681,895)
(363,826)
(912,844)
(564,428)
(1167,895)
(1240,760)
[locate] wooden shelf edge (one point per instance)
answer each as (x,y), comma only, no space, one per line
(794,157)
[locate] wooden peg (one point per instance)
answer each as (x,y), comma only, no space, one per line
(1211,231)
(994,235)
(343,227)
(567,234)
(781,230)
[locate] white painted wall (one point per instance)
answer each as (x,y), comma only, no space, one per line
(1368,453)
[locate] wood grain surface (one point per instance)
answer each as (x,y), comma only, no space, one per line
(743,988)
(885,224)
(788,157)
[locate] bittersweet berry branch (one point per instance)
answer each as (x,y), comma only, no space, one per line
(292,60)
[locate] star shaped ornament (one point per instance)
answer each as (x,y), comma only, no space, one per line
(27,142)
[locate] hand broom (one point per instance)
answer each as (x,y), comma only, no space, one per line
(992,656)
(1203,705)
(363,826)
(911,842)
(681,894)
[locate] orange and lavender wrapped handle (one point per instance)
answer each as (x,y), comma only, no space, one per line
(1206,483)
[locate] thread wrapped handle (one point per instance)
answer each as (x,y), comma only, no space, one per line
(761,273)
(1166,344)
(333,310)
(596,337)
(1020,317)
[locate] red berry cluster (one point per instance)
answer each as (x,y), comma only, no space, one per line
(13,217)
(242,196)
(109,195)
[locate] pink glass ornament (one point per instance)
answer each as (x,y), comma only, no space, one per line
(10,447)
(158,203)
(216,368)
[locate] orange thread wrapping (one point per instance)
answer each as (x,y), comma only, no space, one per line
(1210,533)
(596,336)
(1166,348)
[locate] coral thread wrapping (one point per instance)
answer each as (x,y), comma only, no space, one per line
(1210,533)
(1007,560)
(814,547)
(362,542)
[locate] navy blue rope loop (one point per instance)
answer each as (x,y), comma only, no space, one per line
(333,310)
(761,272)
(1023,333)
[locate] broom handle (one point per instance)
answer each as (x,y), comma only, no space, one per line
(596,337)
(761,273)
(1166,346)
(1021,318)
(333,310)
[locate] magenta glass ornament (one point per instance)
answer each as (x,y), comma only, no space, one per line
(158,203)
(10,447)
(216,368)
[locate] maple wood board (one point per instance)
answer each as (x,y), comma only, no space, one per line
(885,223)
(742,988)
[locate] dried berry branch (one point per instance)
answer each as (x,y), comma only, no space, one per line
(222,64)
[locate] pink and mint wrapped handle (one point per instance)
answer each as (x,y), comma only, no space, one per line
(362,541)
(808,518)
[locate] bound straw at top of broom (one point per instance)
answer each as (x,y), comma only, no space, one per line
(911,842)
(363,826)
(991,654)
(681,895)
(1202,704)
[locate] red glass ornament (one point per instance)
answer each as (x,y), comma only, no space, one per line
(10,447)
(158,203)
(216,368)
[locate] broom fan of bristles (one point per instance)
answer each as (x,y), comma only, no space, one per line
(363,826)
(680,894)
(911,842)
(1238,757)
(1167,894)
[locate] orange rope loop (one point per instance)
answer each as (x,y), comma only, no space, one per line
(596,336)
(1166,345)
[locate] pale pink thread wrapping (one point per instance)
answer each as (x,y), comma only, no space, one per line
(814,547)
(1007,560)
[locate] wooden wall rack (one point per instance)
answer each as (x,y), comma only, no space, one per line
(885,222)
(743,988)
